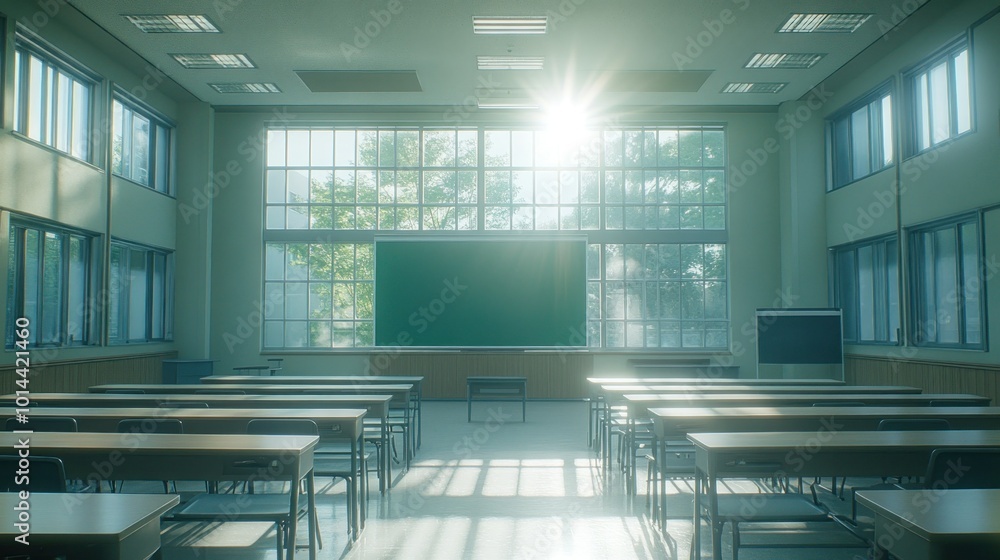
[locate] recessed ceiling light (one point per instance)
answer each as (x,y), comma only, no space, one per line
(823,23)
(784,60)
(510,62)
(252,87)
(524,104)
(173,24)
(753,87)
(200,61)
(528,25)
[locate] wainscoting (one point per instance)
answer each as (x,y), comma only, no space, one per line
(552,375)
(75,376)
(932,377)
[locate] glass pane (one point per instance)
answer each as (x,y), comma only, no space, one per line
(892,279)
(945,269)
(866,294)
(847,293)
(321,148)
(972,284)
(63,113)
(162,161)
(886,114)
(497,148)
(275,148)
(137,295)
(76,327)
(36,98)
(367,148)
(343,144)
(159,295)
(860,145)
(940,106)
(841,152)
(963,101)
(81,121)
(923,104)
(140,149)
(296,300)
(439,148)
(32,262)
(52,285)
(298,148)
(407,148)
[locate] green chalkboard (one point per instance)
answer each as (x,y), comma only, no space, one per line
(497,293)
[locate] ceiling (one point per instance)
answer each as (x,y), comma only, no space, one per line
(597,52)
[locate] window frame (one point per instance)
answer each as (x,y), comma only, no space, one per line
(916,306)
(29,45)
(881,282)
(16,301)
(876,152)
(632,157)
(156,122)
(944,54)
(124,294)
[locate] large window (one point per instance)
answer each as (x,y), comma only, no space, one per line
(940,93)
(50,282)
(865,285)
(652,201)
(140,295)
(140,146)
(948,286)
(52,100)
(860,139)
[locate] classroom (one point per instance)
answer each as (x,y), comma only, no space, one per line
(705,279)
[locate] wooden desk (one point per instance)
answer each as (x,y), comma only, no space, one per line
(107,526)
(376,406)
(638,407)
(100,457)
(672,425)
(935,525)
(794,454)
(614,389)
(497,388)
(415,380)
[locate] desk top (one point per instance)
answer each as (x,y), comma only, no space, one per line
(255,388)
(708,381)
(227,401)
(751,399)
(793,412)
(764,389)
(491,378)
(780,441)
(938,513)
(179,444)
(315,379)
(102,515)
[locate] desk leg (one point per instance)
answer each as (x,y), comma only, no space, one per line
(294,517)
(420,415)
(311,507)
(386,481)
(696,527)
(713,510)
(468,398)
(630,466)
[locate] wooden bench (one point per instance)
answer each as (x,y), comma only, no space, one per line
(492,388)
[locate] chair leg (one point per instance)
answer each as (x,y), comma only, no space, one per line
(280,528)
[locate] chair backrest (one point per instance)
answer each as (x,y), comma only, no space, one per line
(839,403)
(151,426)
(43,424)
(956,402)
(913,424)
(183,404)
(124,392)
(47,474)
(219,392)
(963,468)
(283,427)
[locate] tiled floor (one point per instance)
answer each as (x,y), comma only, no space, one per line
(499,489)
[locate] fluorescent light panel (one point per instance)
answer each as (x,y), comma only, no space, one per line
(823,23)
(199,61)
(512,104)
(528,25)
(510,62)
(249,87)
(173,24)
(784,60)
(753,87)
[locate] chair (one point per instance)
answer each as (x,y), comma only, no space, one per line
(48,475)
(150,426)
(334,464)
(42,424)
(833,480)
(771,508)
(898,425)
(963,469)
